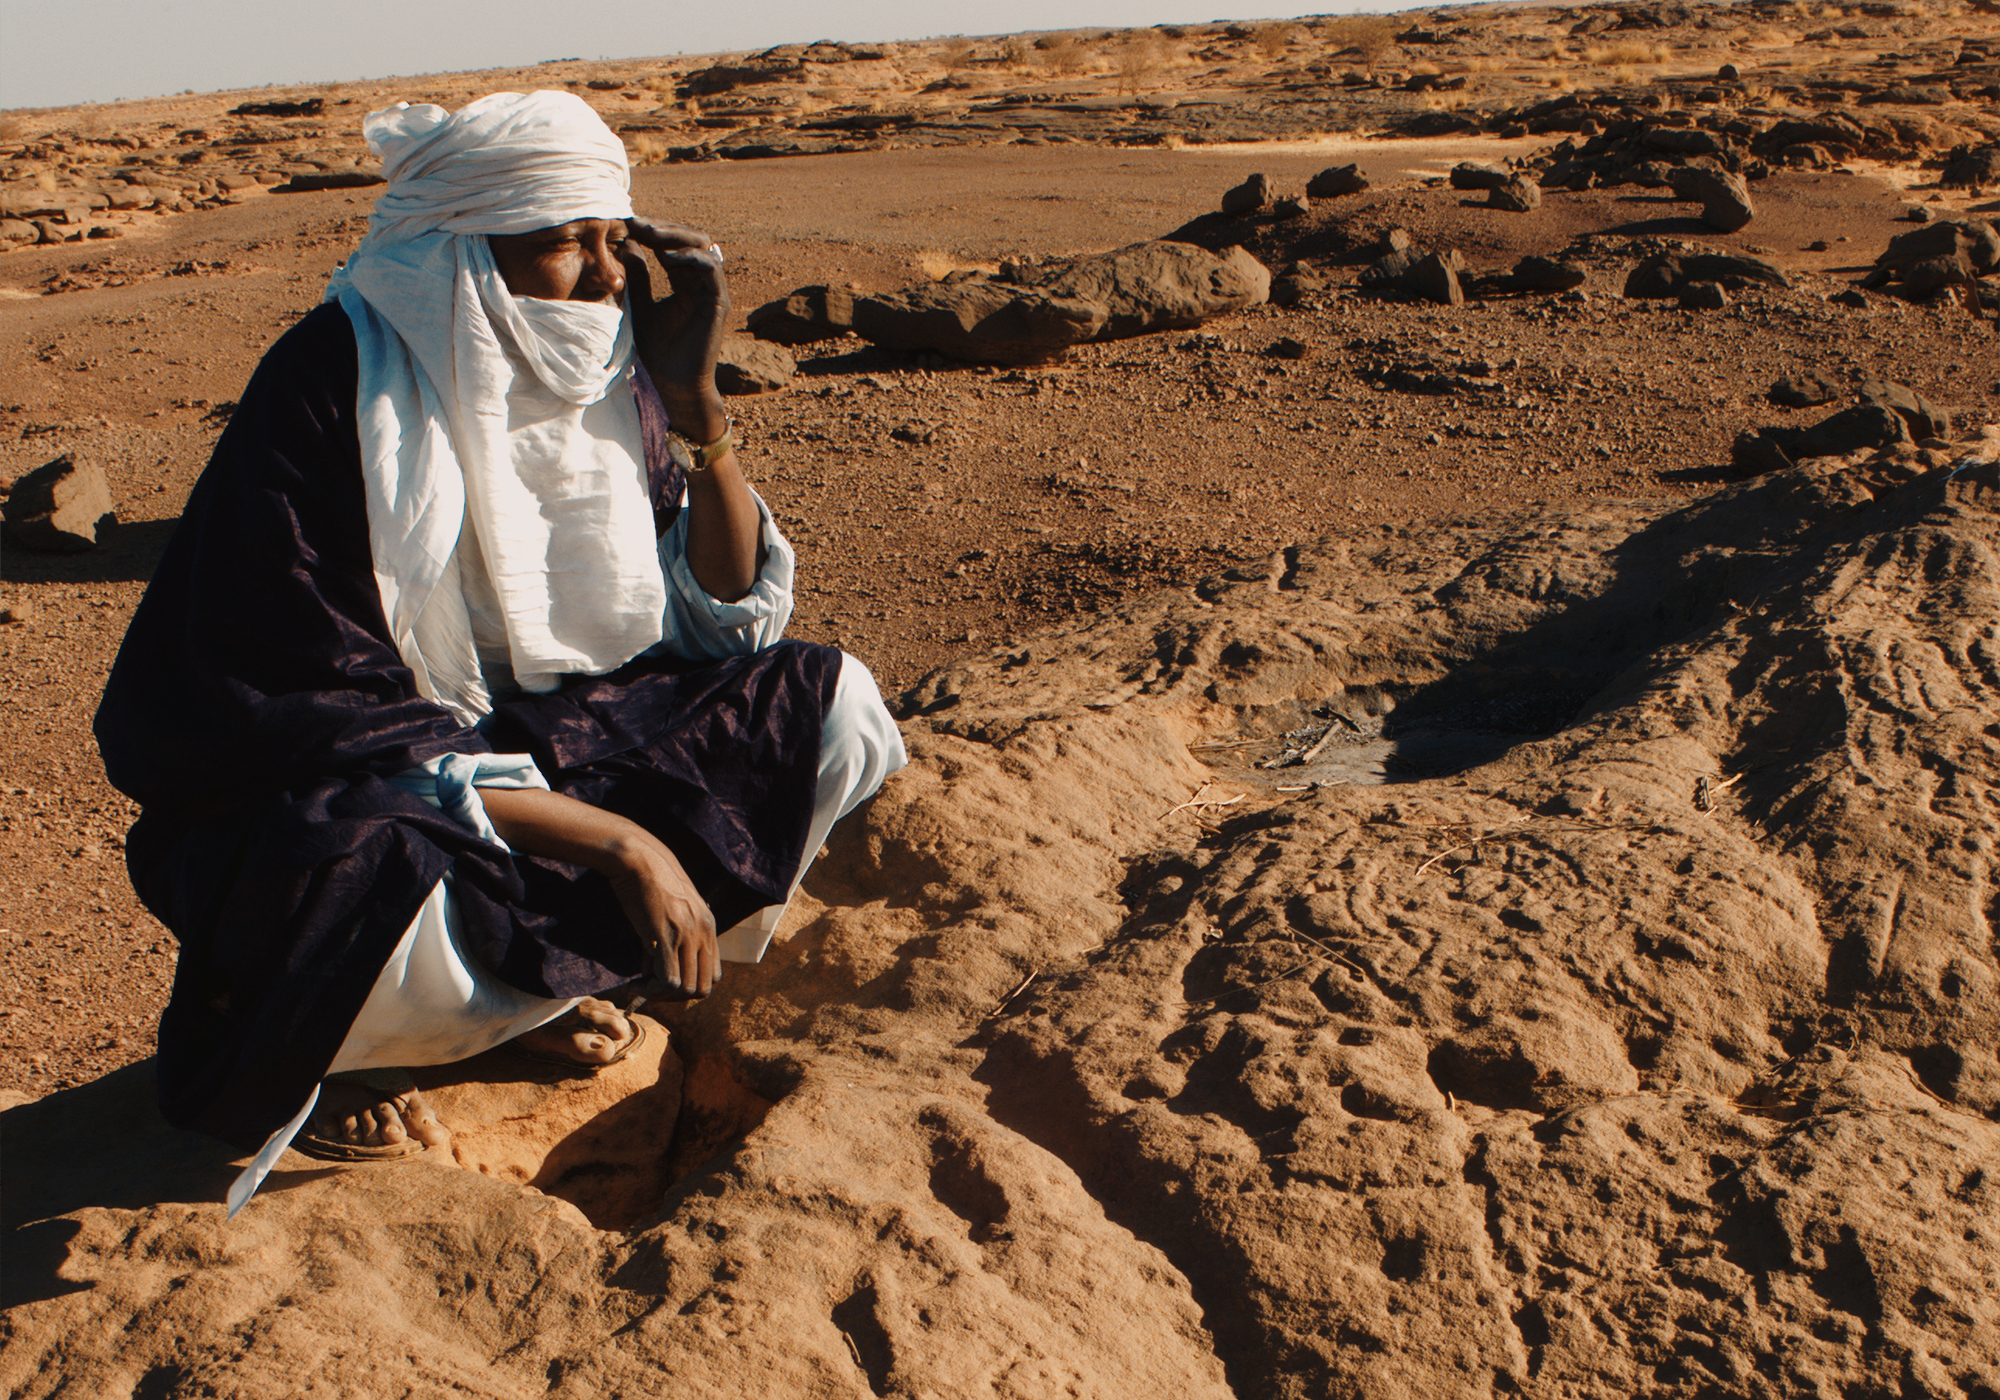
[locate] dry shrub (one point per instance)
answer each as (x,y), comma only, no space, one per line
(1367,36)
(959,53)
(1626,55)
(1016,53)
(1273,40)
(1064,53)
(1138,60)
(643,148)
(12,128)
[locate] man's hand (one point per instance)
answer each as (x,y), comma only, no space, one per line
(672,920)
(679,335)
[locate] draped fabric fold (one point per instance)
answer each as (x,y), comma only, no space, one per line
(492,414)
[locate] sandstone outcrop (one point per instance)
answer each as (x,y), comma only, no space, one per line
(1635,1037)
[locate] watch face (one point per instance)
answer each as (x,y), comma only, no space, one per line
(678,450)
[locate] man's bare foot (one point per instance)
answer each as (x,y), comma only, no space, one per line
(358,1116)
(592,1034)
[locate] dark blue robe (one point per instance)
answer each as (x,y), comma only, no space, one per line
(259,708)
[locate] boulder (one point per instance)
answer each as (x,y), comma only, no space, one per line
(1725,198)
(1975,240)
(1925,419)
(750,366)
(1519,194)
(1336,181)
(978,320)
(1154,286)
(1472,175)
(59,507)
(1538,274)
(1861,427)
(1665,274)
(1806,389)
(18,231)
(1973,170)
(806,316)
(1435,278)
(1247,198)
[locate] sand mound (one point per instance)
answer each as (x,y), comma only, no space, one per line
(1637,1037)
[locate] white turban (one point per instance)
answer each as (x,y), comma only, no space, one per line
(504,468)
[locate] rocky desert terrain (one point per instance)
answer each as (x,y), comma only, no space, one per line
(1443,577)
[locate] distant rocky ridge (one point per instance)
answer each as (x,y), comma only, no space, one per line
(1728,92)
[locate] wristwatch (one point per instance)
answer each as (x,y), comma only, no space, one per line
(690,458)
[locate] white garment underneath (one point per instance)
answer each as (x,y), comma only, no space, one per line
(434,1005)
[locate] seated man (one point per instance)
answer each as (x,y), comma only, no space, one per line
(458,696)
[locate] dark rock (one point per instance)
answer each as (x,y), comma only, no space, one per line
(808,315)
(1247,198)
(1536,274)
(1470,175)
(1336,181)
(1925,419)
(1435,278)
(1292,206)
(59,507)
(1703,296)
(1922,278)
(310,107)
(1851,297)
(1725,198)
(329,180)
(1727,74)
(1519,194)
(1807,389)
(977,320)
(1295,286)
(1682,141)
(1865,425)
(1918,214)
(749,366)
(1665,274)
(1974,240)
(1972,170)
(1288,348)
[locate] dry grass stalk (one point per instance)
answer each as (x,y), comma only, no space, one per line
(1627,55)
(1366,36)
(1201,803)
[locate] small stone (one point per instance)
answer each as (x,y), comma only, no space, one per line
(1727,74)
(1436,279)
(1519,194)
(1288,348)
(1853,297)
(1397,240)
(1291,207)
(1703,296)
(1807,389)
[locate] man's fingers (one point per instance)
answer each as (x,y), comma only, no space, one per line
(663,237)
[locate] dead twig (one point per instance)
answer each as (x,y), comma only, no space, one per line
(1200,803)
(1228,743)
(1011,997)
(1474,842)
(1251,987)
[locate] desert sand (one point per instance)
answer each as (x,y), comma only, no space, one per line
(1434,863)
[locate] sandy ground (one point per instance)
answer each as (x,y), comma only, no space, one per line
(1042,492)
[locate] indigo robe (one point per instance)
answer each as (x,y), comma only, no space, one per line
(259,708)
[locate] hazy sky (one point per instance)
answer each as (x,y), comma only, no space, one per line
(56,52)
